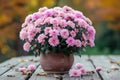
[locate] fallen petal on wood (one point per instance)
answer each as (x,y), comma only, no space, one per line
(98,68)
(21,69)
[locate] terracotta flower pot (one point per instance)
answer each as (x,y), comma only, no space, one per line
(56,62)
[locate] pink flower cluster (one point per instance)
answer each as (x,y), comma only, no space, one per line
(78,70)
(31,67)
(51,25)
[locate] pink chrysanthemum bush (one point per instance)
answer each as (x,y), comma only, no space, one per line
(61,30)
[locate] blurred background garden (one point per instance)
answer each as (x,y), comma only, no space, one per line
(105,15)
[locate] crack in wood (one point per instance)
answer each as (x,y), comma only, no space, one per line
(30,74)
(11,67)
(95,67)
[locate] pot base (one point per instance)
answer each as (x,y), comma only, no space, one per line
(52,72)
(56,62)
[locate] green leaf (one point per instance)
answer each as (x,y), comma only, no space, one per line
(35,54)
(46,52)
(84,49)
(42,49)
(32,48)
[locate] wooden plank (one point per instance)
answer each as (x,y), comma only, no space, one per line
(37,77)
(88,66)
(106,73)
(18,75)
(8,62)
(115,59)
(7,65)
(15,60)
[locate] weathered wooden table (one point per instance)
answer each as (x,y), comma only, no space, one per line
(110,71)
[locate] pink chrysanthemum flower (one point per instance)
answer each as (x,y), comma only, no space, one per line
(43,9)
(54,21)
(35,16)
(74,73)
(63,23)
(91,42)
(88,21)
(78,14)
(70,41)
(47,30)
(83,71)
(57,28)
(78,43)
(64,33)
(91,32)
(38,22)
(78,65)
(31,67)
(54,41)
(24,24)
(47,20)
(28,18)
(73,33)
(71,24)
(23,35)
(82,23)
(41,38)
(84,43)
(26,46)
(54,33)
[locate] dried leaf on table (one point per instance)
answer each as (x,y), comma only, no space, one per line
(90,72)
(10,75)
(24,72)
(31,60)
(113,67)
(89,59)
(41,74)
(22,60)
(115,62)
(58,75)
(36,60)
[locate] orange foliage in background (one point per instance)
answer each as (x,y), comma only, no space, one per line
(105,10)
(10,21)
(13,12)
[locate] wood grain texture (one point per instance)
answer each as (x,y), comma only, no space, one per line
(14,71)
(90,63)
(88,66)
(38,77)
(106,73)
(114,58)
(7,65)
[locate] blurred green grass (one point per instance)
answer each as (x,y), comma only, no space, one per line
(97,51)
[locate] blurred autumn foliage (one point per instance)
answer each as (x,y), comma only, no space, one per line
(105,15)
